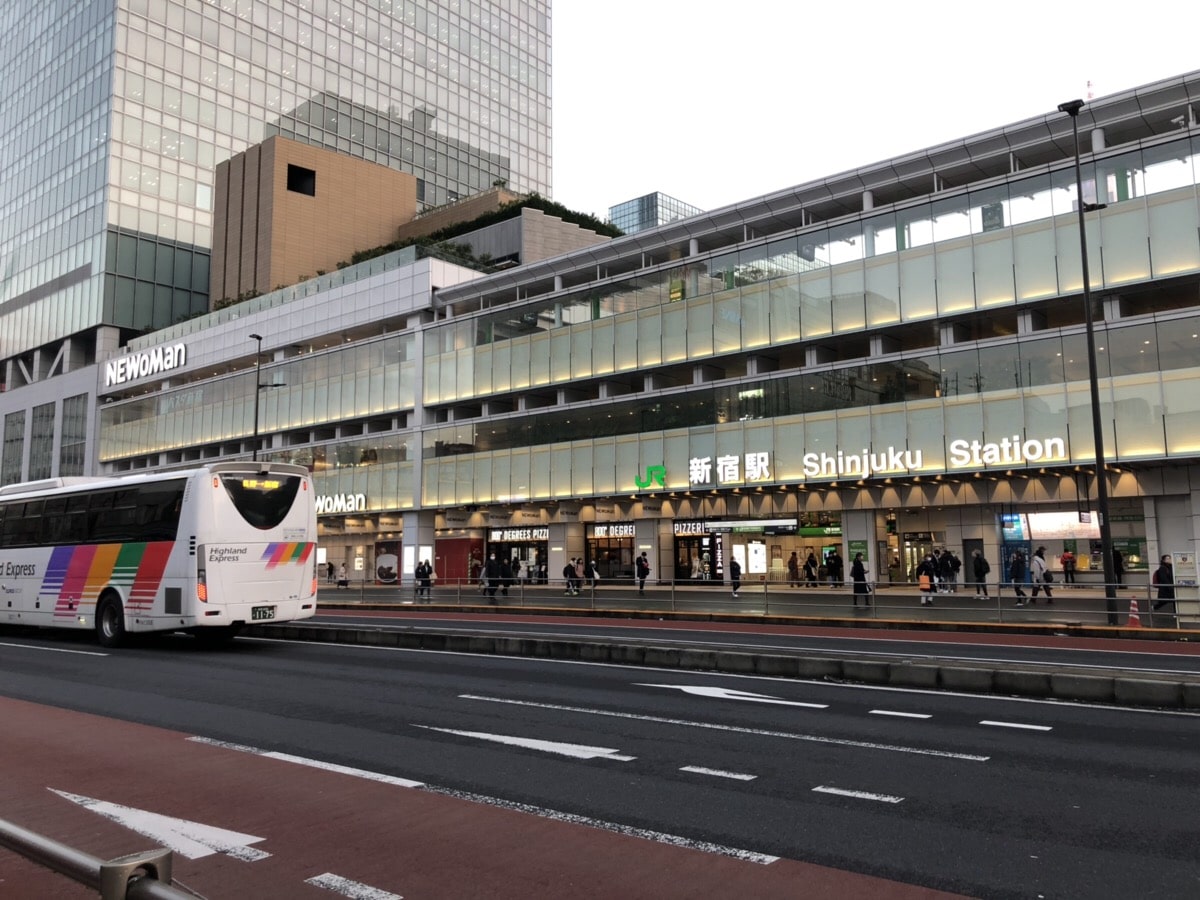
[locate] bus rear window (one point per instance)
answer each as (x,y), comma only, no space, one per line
(263,500)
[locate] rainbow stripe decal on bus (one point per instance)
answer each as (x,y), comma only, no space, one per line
(76,575)
(283,553)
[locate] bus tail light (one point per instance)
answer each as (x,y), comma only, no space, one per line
(201,576)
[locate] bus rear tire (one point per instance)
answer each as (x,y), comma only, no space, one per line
(110,621)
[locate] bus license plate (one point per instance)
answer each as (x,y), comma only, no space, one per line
(257,613)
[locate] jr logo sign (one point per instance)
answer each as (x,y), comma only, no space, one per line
(653,474)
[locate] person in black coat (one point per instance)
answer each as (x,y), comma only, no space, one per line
(858,574)
(491,571)
(1164,580)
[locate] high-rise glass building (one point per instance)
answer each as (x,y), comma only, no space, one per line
(649,211)
(115,115)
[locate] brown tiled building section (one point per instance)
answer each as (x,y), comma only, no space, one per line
(266,236)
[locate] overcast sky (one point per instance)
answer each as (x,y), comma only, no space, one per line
(716,102)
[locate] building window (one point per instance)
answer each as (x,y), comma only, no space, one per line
(74,436)
(14,446)
(301,180)
(41,442)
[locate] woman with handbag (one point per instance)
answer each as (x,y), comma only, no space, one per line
(1040,575)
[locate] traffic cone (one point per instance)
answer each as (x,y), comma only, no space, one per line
(1134,619)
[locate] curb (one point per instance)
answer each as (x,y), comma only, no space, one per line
(1061,684)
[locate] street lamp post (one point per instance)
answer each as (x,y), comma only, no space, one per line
(1072,108)
(257,388)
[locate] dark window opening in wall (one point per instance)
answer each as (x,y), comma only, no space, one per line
(301,180)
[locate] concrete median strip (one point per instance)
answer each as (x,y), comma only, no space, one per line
(1125,689)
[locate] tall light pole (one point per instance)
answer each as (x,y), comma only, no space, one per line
(257,388)
(1072,108)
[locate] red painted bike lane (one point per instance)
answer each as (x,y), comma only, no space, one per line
(67,775)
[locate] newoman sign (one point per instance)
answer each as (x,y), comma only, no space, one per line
(144,364)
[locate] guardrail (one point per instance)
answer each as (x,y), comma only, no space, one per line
(138,876)
(964,602)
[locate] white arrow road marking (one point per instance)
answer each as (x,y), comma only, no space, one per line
(719,773)
(1017,725)
(858,795)
(579,751)
(730,694)
(733,729)
(191,839)
(353,889)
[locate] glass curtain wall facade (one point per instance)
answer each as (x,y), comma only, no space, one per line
(975,258)
(649,211)
(116,115)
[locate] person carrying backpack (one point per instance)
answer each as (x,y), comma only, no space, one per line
(642,567)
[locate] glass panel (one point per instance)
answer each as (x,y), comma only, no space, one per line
(1174,221)
(520,363)
(788,457)
(699,330)
(540,463)
(539,359)
(785,309)
(673,335)
(625,343)
(883,289)
(1036,262)
(955,274)
(1181,401)
(1137,407)
(727,325)
(581,351)
(1126,253)
(604,466)
(580,472)
(816,303)
(560,355)
(918,297)
(603,347)
(756,316)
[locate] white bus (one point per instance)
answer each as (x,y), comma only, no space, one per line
(201,550)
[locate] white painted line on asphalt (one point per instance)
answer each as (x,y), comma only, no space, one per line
(578,751)
(311,763)
(899,715)
(674,840)
(353,889)
(718,773)
(55,649)
(790,735)
(722,693)
(1016,725)
(858,795)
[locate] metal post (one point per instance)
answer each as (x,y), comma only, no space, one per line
(1072,108)
(257,388)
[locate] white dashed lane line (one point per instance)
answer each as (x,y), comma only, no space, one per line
(858,795)
(1016,725)
(899,715)
(718,773)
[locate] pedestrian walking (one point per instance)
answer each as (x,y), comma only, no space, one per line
(1118,566)
(343,580)
(858,574)
(735,575)
(810,570)
(329,573)
(568,574)
(793,567)
(1040,575)
(927,578)
(491,571)
(945,572)
(1016,574)
(642,567)
(1164,580)
(980,568)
